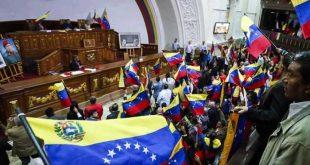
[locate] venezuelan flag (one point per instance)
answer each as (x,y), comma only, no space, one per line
(173,111)
(97,18)
(121,83)
(178,155)
(129,64)
(193,71)
(257,81)
(234,76)
(156,67)
(131,78)
(181,72)
(173,58)
(236,93)
(42,17)
(216,91)
(119,141)
(302,8)
(251,69)
(137,103)
(62,93)
(256,41)
(197,102)
(105,21)
(147,76)
(183,92)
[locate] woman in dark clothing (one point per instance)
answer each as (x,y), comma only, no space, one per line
(75,112)
(4,146)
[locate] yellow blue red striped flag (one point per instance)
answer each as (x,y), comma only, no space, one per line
(119,141)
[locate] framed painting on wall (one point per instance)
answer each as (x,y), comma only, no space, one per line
(129,40)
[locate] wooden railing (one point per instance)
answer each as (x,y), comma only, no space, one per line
(290,43)
(51,62)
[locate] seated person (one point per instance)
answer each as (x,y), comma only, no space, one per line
(75,63)
(93,115)
(75,112)
(114,111)
(49,112)
(93,105)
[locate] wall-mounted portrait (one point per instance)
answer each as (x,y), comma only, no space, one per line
(2,62)
(221,28)
(9,51)
(129,40)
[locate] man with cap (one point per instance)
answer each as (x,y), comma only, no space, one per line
(10,55)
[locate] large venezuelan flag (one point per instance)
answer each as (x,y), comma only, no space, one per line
(137,103)
(197,103)
(181,72)
(62,93)
(173,58)
(173,111)
(121,141)
(256,41)
(302,8)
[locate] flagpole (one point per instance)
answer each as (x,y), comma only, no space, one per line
(30,132)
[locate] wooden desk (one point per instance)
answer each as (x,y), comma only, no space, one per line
(34,97)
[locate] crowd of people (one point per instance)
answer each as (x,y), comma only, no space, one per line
(261,110)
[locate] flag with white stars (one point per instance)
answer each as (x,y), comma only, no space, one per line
(137,103)
(173,111)
(173,58)
(136,140)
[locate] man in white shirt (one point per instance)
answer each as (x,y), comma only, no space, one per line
(175,45)
(169,81)
(164,96)
(189,51)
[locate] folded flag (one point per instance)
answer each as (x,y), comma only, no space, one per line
(121,83)
(147,76)
(197,103)
(302,8)
(256,41)
(137,103)
(62,94)
(133,65)
(173,111)
(105,20)
(234,76)
(121,141)
(173,58)
(156,67)
(42,17)
(181,72)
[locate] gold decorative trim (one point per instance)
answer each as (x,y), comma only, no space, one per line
(35,100)
(107,80)
(81,88)
(95,83)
